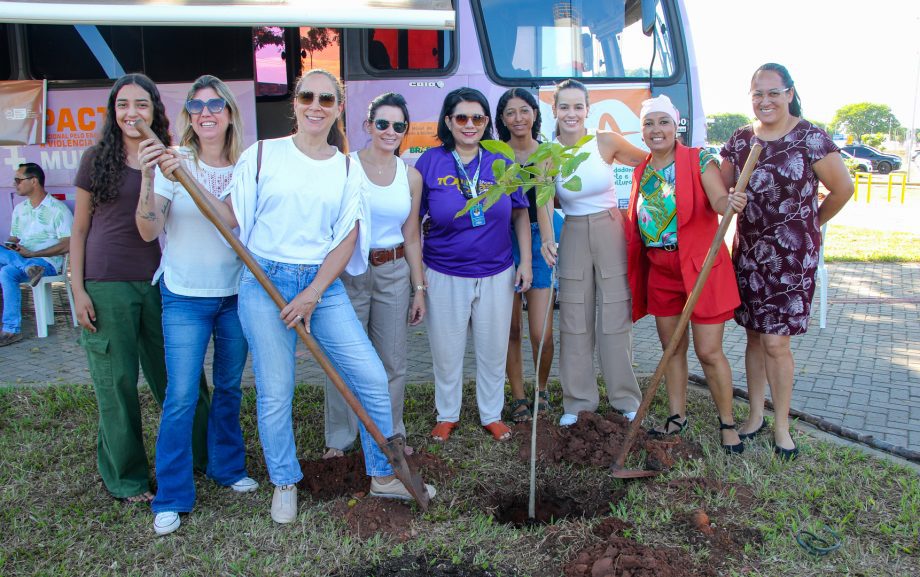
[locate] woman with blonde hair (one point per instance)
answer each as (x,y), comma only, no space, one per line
(199,278)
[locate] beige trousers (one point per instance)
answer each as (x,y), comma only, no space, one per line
(592,276)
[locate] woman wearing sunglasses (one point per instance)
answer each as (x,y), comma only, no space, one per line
(594,300)
(390,295)
(471,274)
(300,209)
(118,308)
(199,278)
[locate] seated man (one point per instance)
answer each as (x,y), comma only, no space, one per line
(40,232)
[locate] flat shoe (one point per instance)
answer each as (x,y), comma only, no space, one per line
(394,489)
(245,485)
(567,420)
(519,410)
(754,433)
(499,430)
(735,449)
(675,420)
(333,453)
(786,454)
(166,522)
(441,432)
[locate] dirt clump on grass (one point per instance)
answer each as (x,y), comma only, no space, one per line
(327,479)
(726,541)
(596,439)
(424,566)
(619,556)
(368,516)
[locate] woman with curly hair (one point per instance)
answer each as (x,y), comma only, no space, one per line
(118,308)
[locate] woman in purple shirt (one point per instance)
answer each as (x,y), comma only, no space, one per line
(469,267)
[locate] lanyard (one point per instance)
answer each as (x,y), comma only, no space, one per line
(472,184)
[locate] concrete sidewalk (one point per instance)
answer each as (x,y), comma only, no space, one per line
(862,371)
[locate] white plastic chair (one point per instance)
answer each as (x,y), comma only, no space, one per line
(44,305)
(822,282)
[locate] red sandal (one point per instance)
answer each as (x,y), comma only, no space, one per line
(441,432)
(499,430)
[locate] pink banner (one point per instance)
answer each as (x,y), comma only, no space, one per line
(22,105)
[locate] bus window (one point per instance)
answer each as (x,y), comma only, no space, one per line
(270,65)
(572,39)
(389,49)
(165,53)
(321,48)
(5,54)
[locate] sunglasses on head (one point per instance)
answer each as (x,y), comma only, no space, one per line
(196,106)
(326,99)
(398,127)
(478,119)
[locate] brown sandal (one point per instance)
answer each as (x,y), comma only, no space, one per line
(499,430)
(441,432)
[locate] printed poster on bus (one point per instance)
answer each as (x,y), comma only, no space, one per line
(22,105)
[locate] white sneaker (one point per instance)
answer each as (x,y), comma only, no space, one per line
(396,490)
(245,485)
(284,504)
(630,416)
(166,522)
(567,420)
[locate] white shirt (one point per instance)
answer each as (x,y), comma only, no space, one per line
(301,208)
(598,191)
(195,262)
(389,205)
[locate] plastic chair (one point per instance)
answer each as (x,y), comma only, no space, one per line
(44,305)
(822,282)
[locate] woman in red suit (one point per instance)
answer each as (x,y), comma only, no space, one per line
(676,198)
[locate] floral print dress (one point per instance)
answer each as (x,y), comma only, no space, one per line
(777,237)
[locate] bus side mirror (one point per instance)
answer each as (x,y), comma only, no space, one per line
(648,16)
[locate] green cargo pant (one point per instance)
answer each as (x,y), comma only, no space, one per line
(129,329)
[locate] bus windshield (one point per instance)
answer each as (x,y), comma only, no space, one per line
(573,39)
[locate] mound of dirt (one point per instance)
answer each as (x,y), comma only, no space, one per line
(618,556)
(327,479)
(424,566)
(595,440)
(368,516)
(724,539)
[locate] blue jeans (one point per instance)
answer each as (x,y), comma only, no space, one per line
(188,325)
(542,273)
(340,335)
(12,272)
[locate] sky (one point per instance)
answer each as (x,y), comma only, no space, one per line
(838,52)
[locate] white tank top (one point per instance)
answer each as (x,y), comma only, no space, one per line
(389,205)
(598,192)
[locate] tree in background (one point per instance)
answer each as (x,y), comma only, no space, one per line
(316,39)
(719,127)
(865,118)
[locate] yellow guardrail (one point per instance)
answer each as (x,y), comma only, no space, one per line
(867,177)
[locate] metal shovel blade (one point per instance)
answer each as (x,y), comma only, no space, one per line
(394,449)
(619,472)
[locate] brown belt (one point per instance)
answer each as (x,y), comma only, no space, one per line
(379,256)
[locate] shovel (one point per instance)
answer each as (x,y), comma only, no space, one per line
(394,446)
(617,468)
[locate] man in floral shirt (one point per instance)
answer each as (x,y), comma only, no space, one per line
(39,237)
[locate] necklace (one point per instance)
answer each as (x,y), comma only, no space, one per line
(378,167)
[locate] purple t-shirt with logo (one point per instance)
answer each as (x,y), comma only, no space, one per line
(454,246)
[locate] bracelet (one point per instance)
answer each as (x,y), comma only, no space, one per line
(319,297)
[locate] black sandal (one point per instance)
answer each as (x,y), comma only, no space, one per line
(730,449)
(520,411)
(544,401)
(672,420)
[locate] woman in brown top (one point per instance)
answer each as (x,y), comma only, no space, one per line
(117,306)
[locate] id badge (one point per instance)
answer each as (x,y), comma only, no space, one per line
(477,216)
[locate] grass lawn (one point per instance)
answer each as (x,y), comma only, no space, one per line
(848,243)
(57,519)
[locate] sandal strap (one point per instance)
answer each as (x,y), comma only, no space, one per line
(724,427)
(517,403)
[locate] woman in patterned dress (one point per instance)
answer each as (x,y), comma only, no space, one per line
(778,238)
(676,198)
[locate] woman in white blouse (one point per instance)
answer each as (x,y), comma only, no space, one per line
(390,295)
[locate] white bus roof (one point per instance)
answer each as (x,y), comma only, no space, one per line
(418,14)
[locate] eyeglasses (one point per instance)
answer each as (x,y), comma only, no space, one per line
(478,119)
(326,99)
(757,96)
(398,127)
(17,180)
(214,105)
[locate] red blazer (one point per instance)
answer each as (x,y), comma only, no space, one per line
(697,223)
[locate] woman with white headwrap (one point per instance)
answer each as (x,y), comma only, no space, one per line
(676,199)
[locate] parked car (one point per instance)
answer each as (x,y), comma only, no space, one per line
(863,165)
(882,161)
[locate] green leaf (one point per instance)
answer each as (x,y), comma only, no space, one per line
(466,208)
(544,151)
(584,140)
(573,184)
(545,193)
(499,147)
(498,168)
(570,165)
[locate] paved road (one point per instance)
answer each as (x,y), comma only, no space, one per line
(862,371)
